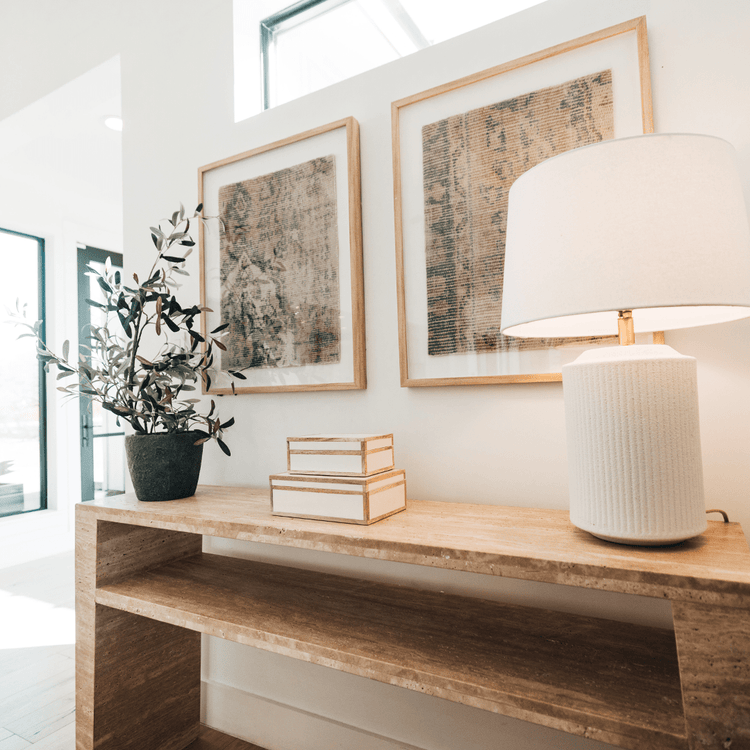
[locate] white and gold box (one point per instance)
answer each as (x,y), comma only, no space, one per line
(340,455)
(361,500)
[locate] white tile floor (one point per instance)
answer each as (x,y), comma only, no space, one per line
(37,669)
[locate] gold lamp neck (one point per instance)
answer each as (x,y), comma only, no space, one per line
(625,329)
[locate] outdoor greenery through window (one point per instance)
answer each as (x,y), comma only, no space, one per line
(315,43)
(23,470)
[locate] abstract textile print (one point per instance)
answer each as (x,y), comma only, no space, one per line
(470,162)
(279,255)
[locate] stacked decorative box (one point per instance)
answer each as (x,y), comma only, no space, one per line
(346,478)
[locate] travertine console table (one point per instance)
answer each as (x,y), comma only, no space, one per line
(145,592)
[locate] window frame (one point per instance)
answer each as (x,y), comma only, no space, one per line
(85,254)
(283,20)
(42,379)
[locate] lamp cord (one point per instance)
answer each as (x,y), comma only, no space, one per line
(723,513)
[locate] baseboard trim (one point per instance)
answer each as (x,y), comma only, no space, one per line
(279,726)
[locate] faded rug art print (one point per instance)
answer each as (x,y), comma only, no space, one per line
(279,268)
(470,162)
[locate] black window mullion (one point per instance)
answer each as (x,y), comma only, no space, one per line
(285,19)
(42,313)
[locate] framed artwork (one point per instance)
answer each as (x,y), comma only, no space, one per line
(283,265)
(457,149)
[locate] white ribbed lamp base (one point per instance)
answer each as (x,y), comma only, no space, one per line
(634,454)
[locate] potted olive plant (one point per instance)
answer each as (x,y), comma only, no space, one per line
(153,392)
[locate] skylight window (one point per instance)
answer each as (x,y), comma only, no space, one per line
(293,50)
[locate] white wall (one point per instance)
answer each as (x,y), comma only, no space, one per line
(500,444)
(61,180)
(490,444)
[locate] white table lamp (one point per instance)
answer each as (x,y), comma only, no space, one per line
(632,235)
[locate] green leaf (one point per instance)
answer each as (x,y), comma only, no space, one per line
(65,349)
(222,327)
(170,323)
(199,208)
(104,285)
(223,446)
(92,303)
(228,423)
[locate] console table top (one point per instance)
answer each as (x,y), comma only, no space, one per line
(515,542)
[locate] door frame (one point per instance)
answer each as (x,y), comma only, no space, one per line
(85,255)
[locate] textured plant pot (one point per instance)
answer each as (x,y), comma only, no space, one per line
(164,466)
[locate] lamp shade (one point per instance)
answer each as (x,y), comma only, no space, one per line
(655,224)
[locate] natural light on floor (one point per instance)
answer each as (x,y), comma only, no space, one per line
(28,623)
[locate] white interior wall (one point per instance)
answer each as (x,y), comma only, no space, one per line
(46,44)
(61,180)
(489,444)
(500,444)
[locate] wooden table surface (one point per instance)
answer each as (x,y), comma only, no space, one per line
(145,592)
(525,543)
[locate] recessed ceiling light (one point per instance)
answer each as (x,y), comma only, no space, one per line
(113,123)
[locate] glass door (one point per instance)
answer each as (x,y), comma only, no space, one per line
(23,428)
(102,439)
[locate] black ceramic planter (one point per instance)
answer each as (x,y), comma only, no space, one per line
(164,466)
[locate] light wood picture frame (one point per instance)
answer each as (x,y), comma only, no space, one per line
(616,58)
(283,265)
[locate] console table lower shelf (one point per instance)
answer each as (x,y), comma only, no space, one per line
(565,671)
(144,595)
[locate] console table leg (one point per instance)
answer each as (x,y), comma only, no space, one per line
(713,648)
(137,680)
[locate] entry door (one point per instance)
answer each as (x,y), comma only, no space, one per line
(102,439)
